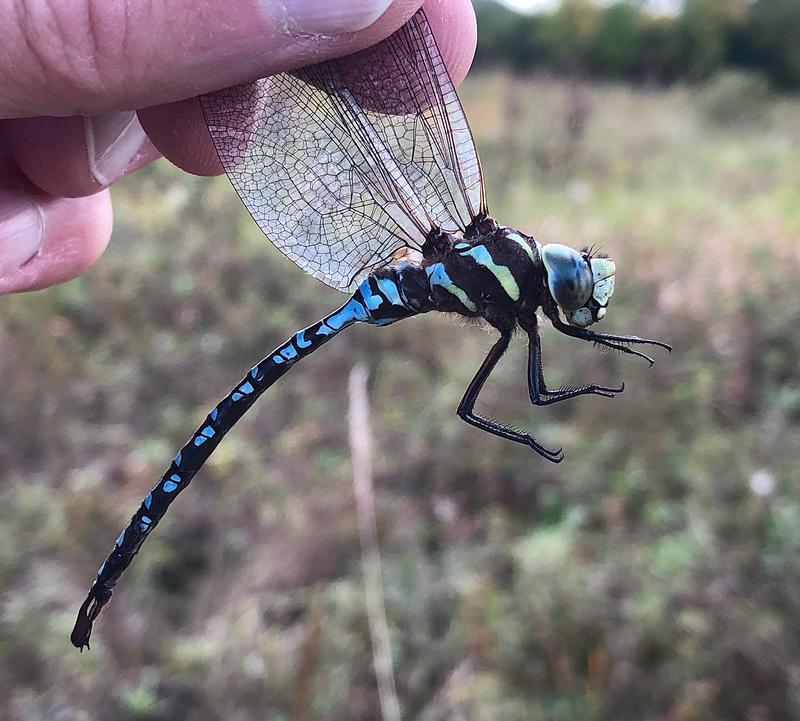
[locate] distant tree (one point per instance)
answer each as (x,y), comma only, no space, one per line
(661,59)
(703,28)
(773,31)
(621,40)
(567,35)
(616,47)
(508,38)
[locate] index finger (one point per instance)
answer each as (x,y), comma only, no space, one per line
(79,57)
(179,131)
(53,152)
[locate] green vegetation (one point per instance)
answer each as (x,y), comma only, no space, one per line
(620,40)
(652,575)
(735,97)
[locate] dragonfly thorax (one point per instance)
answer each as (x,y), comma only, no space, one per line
(495,273)
(492,272)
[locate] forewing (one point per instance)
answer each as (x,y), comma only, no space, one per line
(344,162)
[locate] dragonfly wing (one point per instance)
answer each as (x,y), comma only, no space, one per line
(344,162)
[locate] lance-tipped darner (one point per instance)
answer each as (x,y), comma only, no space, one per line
(363,171)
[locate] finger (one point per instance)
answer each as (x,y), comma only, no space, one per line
(179,131)
(78,156)
(45,241)
(75,157)
(453,24)
(79,57)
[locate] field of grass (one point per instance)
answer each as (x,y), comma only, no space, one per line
(653,575)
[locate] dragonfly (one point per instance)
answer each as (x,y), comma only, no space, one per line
(363,171)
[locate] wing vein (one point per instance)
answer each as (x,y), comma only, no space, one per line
(343,162)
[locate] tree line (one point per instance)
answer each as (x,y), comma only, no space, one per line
(624,41)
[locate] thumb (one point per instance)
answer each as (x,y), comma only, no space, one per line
(81,57)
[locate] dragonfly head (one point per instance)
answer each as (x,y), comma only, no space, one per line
(581,285)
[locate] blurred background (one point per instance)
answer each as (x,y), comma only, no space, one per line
(652,575)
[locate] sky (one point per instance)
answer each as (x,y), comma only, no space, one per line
(659,7)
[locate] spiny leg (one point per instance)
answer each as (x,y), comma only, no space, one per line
(466,412)
(540,394)
(609,341)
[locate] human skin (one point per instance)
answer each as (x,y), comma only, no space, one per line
(92,91)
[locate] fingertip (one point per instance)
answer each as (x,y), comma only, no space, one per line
(74,234)
(455,28)
(21,230)
(180,133)
(78,156)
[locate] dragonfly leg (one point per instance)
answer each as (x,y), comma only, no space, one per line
(466,412)
(615,342)
(539,392)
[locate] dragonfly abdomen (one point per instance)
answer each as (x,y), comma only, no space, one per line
(395,292)
(382,298)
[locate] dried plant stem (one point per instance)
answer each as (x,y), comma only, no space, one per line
(361,453)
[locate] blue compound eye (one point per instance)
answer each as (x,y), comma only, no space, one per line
(569,276)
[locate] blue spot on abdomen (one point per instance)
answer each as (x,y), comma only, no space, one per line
(390,290)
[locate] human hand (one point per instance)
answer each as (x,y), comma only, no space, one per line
(89,92)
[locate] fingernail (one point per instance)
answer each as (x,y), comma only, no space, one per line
(113,142)
(21,230)
(329,16)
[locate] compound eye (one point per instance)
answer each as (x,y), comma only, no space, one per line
(603,270)
(569,277)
